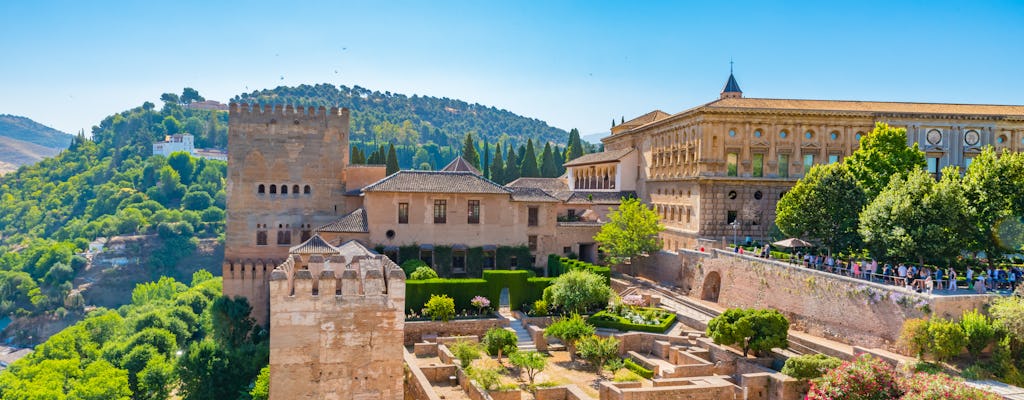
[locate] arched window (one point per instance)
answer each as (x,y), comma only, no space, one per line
(261,189)
(284,189)
(305,189)
(273,189)
(295,189)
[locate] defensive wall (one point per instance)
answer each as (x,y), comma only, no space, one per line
(840,308)
(337,333)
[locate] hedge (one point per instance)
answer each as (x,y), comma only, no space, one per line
(633,366)
(566,264)
(523,288)
(606,319)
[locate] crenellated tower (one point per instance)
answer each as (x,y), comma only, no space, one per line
(337,326)
(285,178)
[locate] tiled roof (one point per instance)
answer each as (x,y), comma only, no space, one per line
(354,248)
(354,221)
(315,245)
(731,86)
(598,197)
(545,184)
(435,182)
(867,106)
(597,158)
(645,119)
(460,164)
(531,194)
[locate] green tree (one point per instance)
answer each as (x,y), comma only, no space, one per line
(529,169)
(101,381)
(392,160)
(196,201)
(232,324)
(575,146)
(759,330)
(883,154)
(979,331)
(261,389)
(823,206)
(499,340)
(530,361)
(184,164)
(170,98)
(422,273)
(548,168)
(810,366)
(440,308)
(578,291)
(905,219)
(569,331)
(206,373)
(466,352)
(511,165)
(189,95)
(469,151)
(156,380)
(498,166)
(357,156)
(991,186)
(631,231)
(947,338)
(598,350)
(485,168)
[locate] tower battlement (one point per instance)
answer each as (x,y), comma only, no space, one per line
(338,278)
(284,110)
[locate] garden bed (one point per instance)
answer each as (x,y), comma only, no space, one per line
(643,319)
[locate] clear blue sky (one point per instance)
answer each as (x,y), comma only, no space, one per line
(571,63)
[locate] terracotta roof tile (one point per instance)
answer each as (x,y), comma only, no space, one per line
(867,106)
(460,164)
(531,194)
(597,158)
(435,182)
(354,248)
(354,221)
(545,184)
(315,245)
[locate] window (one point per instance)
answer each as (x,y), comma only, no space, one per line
(474,212)
(730,163)
(440,211)
(572,214)
(459,262)
(833,158)
(306,234)
(305,189)
(758,195)
(808,162)
(858,136)
(295,189)
(730,216)
(284,237)
(933,166)
(835,135)
(567,250)
(783,165)
(532,213)
(532,241)
(783,134)
(261,238)
(688,210)
(403,213)
(732,133)
(758,165)
(261,189)
(284,189)
(757,133)
(273,189)
(808,135)
(967,162)
(513,262)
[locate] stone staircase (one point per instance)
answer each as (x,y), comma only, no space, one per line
(525,342)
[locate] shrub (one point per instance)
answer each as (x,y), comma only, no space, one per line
(440,308)
(625,375)
(569,331)
(921,386)
(531,361)
(410,266)
(638,319)
(947,338)
(466,352)
(914,338)
(423,273)
(481,303)
(810,366)
(488,378)
(598,350)
(579,291)
(500,340)
(638,369)
(540,307)
(752,329)
(978,330)
(865,378)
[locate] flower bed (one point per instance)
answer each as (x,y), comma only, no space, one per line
(644,319)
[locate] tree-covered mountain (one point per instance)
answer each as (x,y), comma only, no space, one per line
(24,141)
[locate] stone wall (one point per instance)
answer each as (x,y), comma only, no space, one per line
(419,331)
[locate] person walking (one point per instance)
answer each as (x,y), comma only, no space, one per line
(952,278)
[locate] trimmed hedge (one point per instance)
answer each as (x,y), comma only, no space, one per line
(606,319)
(523,288)
(633,366)
(565,264)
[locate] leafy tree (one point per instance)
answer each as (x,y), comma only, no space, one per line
(759,330)
(883,154)
(498,166)
(598,350)
(466,352)
(422,273)
(170,98)
(469,151)
(184,164)
(575,146)
(631,231)
(904,220)
(500,340)
(992,185)
(232,324)
(261,389)
(529,169)
(392,161)
(196,201)
(1008,315)
(156,380)
(206,373)
(548,168)
(810,366)
(411,265)
(189,95)
(978,331)
(570,330)
(824,206)
(914,337)
(440,308)
(578,291)
(101,381)
(530,361)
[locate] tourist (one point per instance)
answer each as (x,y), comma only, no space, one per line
(951,274)
(979,286)
(970,278)
(938,277)
(856,269)
(902,274)
(1012,279)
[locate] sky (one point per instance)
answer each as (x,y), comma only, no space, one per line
(574,64)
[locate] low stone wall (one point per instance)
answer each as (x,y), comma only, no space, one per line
(537,335)
(709,388)
(420,331)
(439,373)
(417,386)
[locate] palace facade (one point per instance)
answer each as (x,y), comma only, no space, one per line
(717,170)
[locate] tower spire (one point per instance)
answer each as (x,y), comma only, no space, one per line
(732,88)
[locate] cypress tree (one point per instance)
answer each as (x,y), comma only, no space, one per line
(392,162)
(560,160)
(519,156)
(469,151)
(357,156)
(485,168)
(498,166)
(548,168)
(575,147)
(529,167)
(511,168)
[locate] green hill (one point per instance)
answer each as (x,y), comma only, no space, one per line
(24,141)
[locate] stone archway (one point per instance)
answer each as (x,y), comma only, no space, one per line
(712,287)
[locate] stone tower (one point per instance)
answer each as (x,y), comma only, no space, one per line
(286,178)
(337,325)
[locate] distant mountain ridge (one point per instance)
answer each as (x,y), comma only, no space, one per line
(24,141)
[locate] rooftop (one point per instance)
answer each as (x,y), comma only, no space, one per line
(460,164)
(315,245)
(354,221)
(598,158)
(436,182)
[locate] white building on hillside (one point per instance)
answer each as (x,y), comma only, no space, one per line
(186,142)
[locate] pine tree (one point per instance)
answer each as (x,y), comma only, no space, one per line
(560,160)
(575,146)
(485,168)
(511,168)
(392,162)
(548,168)
(498,166)
(469,151)
(357,156)
(529,167)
